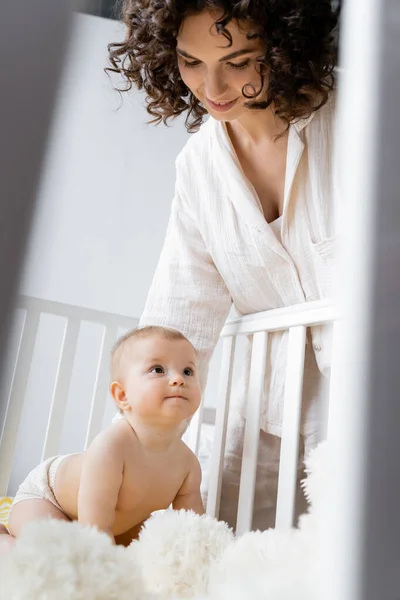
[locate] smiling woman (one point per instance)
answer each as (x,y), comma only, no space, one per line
(222,81)
(291,47)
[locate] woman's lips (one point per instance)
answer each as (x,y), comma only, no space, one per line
(221,106)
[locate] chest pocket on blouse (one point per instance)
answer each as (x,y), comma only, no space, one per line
(325,248)
(324,256)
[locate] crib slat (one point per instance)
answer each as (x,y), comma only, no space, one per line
(61,389)
(99,398)
(16,398)
(291,428)
(221,422)
(252,432)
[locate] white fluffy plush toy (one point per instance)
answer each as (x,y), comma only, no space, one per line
(176,550)
(179,556)
(182,555)
(57,560)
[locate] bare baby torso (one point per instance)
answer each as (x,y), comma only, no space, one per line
(150,482)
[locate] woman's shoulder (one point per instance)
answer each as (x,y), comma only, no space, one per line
(327,113)
(199,147)
(198,166)
(321,124)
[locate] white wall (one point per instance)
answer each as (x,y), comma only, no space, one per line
(107,187)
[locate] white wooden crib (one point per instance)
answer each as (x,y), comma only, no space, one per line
(71,319)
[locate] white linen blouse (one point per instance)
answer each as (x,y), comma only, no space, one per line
(220,250)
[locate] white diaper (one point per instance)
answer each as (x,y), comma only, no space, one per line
(39,484)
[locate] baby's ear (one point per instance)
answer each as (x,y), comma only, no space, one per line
(117,391)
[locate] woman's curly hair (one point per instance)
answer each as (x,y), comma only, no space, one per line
(300,53)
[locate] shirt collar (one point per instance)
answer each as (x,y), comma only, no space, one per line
(300,124)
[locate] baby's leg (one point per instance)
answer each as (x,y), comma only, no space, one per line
(23,512)
(34,509)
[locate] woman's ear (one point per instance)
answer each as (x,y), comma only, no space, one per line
(117,391)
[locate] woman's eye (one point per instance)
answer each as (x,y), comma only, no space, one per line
(188,372)
(191,64)
(242,65)
(157,369)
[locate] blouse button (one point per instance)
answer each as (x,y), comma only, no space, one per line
(317,348)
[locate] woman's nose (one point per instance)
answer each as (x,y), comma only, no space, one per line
(214,86)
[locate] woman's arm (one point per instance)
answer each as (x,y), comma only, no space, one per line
(187,292)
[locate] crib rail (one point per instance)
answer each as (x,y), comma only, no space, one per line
(295,319)
(74,316)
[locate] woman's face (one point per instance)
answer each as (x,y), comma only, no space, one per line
(214,71)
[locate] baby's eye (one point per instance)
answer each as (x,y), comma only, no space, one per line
(157,369)
(188,372)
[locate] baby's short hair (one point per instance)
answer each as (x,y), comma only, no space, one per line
(122,344)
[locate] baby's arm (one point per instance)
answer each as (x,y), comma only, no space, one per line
(101,479)
(189,497)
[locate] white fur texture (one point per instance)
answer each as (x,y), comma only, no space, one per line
(272,563)
(176,550)
(179,556)
(57,560)
(318,472)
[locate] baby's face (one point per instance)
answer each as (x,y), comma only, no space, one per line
(161,382)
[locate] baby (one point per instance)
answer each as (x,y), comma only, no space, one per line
(137,465)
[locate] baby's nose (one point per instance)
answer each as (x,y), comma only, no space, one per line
(176,379)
